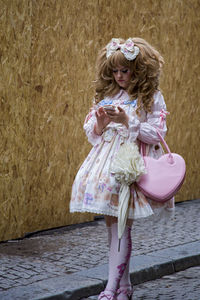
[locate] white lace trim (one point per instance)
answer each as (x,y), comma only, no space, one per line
(132,214)
(159,213)
(94,211)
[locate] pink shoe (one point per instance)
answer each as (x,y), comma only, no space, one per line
(107,295)
(124,293)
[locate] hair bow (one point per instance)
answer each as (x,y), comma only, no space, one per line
(129,50)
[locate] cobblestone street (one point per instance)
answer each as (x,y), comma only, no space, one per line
(71,249)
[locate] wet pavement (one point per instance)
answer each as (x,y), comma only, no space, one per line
(65,251)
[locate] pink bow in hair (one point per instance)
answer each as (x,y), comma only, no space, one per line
(129,50)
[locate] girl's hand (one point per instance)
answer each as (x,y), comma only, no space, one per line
(102,120)
(118,116)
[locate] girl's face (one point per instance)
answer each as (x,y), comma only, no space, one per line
(122,76)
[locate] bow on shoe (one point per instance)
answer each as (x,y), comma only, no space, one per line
(107,295)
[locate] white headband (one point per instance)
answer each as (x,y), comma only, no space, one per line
(128,49)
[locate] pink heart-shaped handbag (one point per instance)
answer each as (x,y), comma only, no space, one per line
(164,175)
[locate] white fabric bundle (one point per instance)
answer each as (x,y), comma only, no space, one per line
(128,166)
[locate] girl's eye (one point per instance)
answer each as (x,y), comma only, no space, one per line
(123,71)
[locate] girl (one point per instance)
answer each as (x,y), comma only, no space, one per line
(128,107)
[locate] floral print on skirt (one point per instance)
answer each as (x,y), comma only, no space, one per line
(95,189)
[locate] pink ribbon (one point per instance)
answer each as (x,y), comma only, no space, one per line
(163,115)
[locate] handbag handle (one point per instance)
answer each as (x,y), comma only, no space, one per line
(170,158)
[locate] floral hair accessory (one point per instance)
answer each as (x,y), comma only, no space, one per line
(129,50)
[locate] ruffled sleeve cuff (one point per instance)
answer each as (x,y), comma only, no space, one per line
(88,126)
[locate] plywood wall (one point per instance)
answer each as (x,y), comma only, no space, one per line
(48,51)
(15,54)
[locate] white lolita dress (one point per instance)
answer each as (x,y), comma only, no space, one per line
(95,189)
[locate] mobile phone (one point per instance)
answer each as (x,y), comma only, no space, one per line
(109,107)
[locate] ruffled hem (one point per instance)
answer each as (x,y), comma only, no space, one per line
(136,214)
(93,211)
(142,212)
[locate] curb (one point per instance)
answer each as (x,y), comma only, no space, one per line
(90,282)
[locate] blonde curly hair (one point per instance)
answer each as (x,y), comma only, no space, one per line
(145,74)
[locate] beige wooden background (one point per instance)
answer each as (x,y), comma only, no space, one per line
(48,50)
